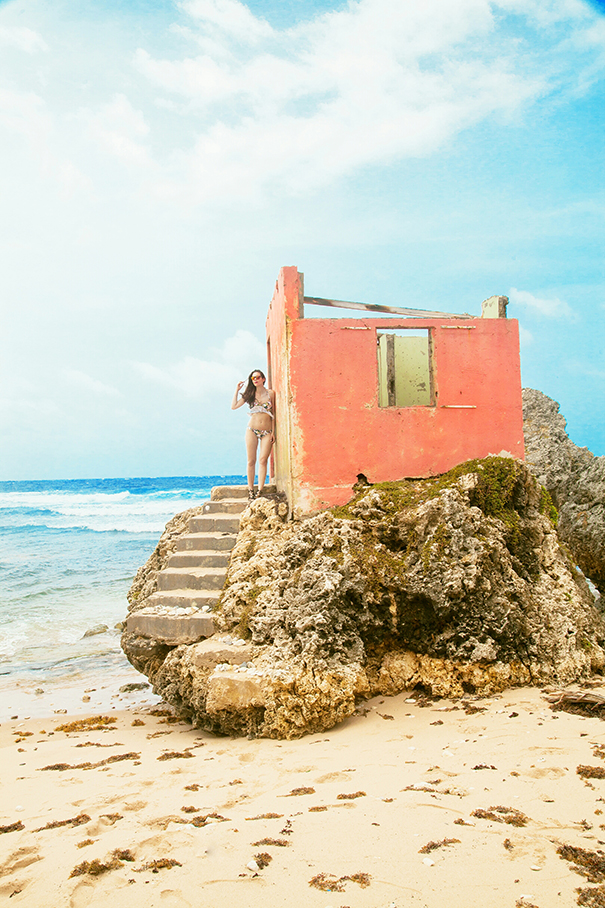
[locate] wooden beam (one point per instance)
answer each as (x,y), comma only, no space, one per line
(392,310)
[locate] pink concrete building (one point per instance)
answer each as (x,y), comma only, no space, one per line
(410,395)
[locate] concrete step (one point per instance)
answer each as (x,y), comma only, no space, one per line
(225,506)
(195,542)
(220,492)
(197,559)
(229,691)
(219,523)
(170,627)
(183,599)
(193,579)
(214,651)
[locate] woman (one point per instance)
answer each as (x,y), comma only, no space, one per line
(259,434)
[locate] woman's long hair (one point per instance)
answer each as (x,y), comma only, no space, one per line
(249,394)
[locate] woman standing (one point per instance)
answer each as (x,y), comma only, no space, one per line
(259,433)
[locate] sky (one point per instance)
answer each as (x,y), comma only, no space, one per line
(160,160)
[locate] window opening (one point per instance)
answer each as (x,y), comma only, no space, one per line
(404,368)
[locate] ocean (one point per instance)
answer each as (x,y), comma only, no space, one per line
(68,552)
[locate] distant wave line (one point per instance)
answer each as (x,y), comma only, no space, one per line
(137,529)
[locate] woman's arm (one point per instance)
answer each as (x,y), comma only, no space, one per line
(235,403)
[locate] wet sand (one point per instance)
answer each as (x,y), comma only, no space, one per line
(79,686)
(400,806)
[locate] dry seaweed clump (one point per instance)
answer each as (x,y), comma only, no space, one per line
(159,864)
(116,758)
(432,846)
(94,723)
(12,827)
(590,864)
(72,821)
(590,772)
(509,815)
(281,843)
(266,816)
(351,797)
(175,755)
(327,882)
(592,896)
(96,867)
(205,819)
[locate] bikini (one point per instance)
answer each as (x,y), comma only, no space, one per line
(261,408)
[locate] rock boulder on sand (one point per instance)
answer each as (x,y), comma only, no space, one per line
(575,479)
(452,584)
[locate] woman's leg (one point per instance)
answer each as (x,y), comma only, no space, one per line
(266,443)
(251,446)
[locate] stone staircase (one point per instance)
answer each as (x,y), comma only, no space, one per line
(190,583)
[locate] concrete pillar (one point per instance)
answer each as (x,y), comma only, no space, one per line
(494,307)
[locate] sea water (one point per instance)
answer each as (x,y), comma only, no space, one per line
(69,550)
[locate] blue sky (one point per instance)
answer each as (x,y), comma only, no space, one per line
(161,160)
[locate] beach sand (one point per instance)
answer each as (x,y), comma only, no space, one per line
(343,818)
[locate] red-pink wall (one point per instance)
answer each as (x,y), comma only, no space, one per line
(325,374)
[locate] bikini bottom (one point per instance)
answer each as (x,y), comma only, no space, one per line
(260,433)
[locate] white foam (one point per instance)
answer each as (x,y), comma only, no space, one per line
(97,511)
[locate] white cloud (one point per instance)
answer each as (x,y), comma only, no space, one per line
(70,179)
(22,409)
(24,113)
(194,377)
(547,12)
(240,349)
(23,38)
(374,82)
(120,128)
(230,17)
(86,383)
(551,308)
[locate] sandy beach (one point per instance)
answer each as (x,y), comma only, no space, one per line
(460,803)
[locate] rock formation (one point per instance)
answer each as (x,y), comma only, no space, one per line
(575,479)
(451,584)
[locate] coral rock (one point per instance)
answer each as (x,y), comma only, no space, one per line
(575,479)
(451,584)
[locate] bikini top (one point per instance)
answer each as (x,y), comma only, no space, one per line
(262,407)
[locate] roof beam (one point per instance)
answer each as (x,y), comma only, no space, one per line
(392,310)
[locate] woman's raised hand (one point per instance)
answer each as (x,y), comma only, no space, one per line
(237,401)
